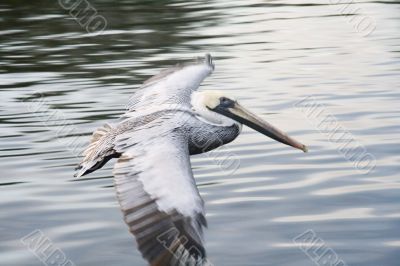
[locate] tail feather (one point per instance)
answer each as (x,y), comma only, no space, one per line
(99,151)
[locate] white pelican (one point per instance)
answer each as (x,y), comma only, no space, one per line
(166,122)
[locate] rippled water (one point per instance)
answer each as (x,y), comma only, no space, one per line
(58,83)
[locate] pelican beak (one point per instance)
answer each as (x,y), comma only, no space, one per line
(241,115)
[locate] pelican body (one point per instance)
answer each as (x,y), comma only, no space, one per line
(167,120)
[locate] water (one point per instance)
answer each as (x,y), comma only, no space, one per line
(270,55)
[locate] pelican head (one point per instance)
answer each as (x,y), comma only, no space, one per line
(215,107)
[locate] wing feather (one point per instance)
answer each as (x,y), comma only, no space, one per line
(160,200)
(171,86)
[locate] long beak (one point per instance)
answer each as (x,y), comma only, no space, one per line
(240,114)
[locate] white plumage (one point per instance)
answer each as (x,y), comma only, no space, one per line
(166,122)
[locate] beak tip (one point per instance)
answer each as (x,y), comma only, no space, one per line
(304,148)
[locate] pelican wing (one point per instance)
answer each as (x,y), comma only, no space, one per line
(172,86)
(159,197)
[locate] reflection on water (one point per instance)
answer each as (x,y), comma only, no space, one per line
(269,54)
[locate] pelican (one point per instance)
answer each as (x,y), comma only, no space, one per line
(167,120)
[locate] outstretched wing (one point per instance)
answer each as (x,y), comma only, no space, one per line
(172,86)
(159,198)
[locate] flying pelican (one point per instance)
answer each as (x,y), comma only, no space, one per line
(167,121)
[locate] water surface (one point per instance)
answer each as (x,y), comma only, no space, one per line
(58,83)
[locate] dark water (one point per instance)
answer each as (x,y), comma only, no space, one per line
(58,83)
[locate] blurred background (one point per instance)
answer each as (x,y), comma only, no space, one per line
(63,74)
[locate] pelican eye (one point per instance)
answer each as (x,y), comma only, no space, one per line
(225,102)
